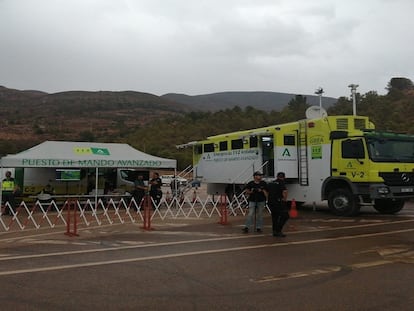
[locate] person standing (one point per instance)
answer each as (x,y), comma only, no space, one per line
(9,190)
(257,192)
(155,190)
(277,202)
(139,190)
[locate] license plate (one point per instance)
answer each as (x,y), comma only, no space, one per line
(407,190)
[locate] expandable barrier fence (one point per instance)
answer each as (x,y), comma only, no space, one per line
(74,213)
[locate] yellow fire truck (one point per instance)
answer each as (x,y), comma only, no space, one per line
(341,159)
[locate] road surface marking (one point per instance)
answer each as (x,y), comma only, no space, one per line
(329,269)
(174,255)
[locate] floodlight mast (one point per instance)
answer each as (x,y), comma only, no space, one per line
(319,92)
(353,92)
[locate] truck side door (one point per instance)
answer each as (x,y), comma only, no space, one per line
(349,159)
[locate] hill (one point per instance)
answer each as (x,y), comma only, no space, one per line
(266,101)
(30,117)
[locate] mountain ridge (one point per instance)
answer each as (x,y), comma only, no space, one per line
(31,116)
(263,100)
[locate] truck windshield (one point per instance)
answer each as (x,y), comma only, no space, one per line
(382,149)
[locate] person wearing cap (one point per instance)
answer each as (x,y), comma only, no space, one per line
(257,192)
(277,203)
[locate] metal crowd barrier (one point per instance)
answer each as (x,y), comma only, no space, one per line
(103,211)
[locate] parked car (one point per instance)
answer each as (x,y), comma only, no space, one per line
(166,180)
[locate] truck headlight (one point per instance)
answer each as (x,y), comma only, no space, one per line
(383,190)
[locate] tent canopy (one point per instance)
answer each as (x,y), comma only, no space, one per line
(66,154)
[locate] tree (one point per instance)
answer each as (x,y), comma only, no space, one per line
(342,107)
(295,109)
(399,84)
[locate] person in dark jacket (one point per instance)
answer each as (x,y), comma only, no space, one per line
(257,192)
(277,203)
(139,190)
(155,189)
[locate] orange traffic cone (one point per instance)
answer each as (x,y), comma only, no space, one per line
(293,213)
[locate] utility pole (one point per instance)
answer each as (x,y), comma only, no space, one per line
(353,92)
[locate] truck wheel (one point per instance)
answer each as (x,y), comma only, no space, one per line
(342,203)
(389,206)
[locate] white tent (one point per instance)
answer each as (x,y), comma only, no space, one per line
(65,154)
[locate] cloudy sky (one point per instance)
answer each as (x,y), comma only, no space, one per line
(205,46)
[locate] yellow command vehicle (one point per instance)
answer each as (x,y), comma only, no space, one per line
(342,159)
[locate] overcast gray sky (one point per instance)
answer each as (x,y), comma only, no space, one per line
(205,46)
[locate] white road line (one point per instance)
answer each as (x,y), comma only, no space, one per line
(295,275)
(53,242)
(88,230)
(221,238)
(122,248)
(329,269)
(176,255)
(321,229)
(370,264)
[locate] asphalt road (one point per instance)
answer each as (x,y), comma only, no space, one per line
(324,263)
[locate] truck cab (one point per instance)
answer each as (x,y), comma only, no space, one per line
(375,168)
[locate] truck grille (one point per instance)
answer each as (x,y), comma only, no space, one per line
(398,178)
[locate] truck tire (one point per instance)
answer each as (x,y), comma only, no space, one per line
(389,206)
(343,203)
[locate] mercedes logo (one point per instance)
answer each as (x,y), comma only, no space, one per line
(405,178)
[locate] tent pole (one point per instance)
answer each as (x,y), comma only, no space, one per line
(175,180)
(96,187)
(1,188)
